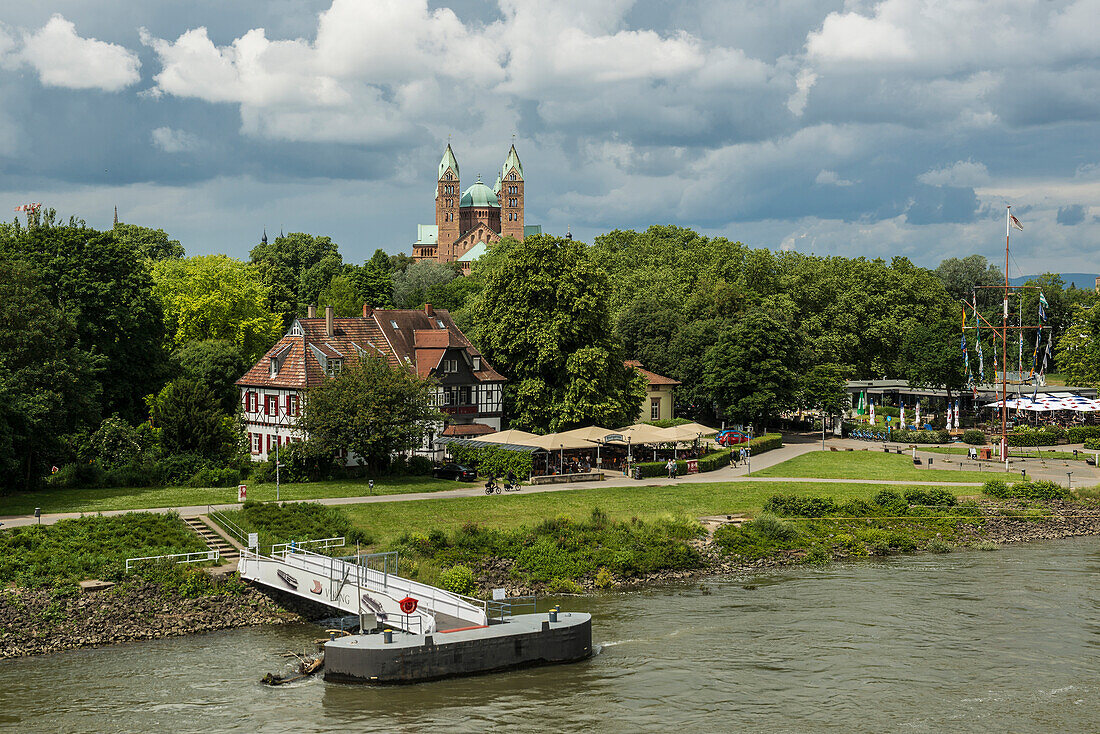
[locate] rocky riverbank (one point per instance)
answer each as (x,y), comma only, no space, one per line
(38,621)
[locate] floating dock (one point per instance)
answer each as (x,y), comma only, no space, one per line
(519,641)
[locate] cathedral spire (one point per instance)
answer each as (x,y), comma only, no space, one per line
(264,238)
(448,161)
(116,215)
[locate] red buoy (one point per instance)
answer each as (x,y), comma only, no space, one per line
(408,605)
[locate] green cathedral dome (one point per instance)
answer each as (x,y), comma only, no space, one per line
(479,195)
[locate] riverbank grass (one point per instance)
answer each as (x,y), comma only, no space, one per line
(869,464)
(129,498)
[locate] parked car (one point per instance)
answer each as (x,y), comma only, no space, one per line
(731,437)
(456,472)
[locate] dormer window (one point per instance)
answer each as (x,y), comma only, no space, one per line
(440,322)
(477,363)
(274,366)
(296,330)
(333,365)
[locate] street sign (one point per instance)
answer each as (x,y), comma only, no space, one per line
(613,437)
(242,492)
(253,540)
(498,594)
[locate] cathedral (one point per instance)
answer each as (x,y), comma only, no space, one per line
(466,223)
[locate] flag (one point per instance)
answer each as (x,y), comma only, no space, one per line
(956,415)
(1043,307)
(901,415)
(1015,222)
(949,416)
(918,414)
(872,411)
(1046,357)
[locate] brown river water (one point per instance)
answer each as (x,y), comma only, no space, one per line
(966,642)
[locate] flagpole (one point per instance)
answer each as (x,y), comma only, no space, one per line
(1004,346)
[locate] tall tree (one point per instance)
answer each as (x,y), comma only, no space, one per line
(412,285)
(216,363)
(104,285)
(1079,347)
(371,409)
(216,297)
(968,275)
(190,421)
(48,384)
(154,244)
(284,265)
(543,320)
(931,356)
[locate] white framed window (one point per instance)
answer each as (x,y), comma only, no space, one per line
(256,445)
(655,409)
(253,402)
(292,405)
(477,364)
(450,365)
(333,365)
(393,324)
(272,404)
(439,322)
(296,330)
(274,366)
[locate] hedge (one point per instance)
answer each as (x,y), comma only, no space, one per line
(974,437)
(1080,434)
(1036,437)
(1092,444)
(1039,489)
(493,460)
(712,460)
(903,435)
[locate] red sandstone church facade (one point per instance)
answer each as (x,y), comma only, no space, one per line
(466,223)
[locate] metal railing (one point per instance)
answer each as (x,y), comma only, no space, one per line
(196,557)
(230,527)
(297,545)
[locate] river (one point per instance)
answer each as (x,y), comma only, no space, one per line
(971,641)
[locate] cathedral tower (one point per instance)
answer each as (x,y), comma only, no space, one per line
(447,195)
(511,196)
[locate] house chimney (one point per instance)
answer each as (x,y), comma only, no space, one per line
(367,310)
(329,313)
(428,309)
(311,312)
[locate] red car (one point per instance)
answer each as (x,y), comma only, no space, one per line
(731,437)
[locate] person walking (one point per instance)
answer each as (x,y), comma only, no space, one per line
(671,466)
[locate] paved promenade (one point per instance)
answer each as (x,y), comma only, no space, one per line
(794,445)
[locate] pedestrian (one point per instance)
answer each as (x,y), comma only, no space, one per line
(671,466)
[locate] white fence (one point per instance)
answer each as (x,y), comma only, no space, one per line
(197,557)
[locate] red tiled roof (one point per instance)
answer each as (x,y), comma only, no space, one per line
(414,341)
(652,377)
(468,429)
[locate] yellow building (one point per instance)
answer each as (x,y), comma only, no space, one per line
(659,402)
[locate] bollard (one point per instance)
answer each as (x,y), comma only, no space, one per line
(387,636)
(554,615)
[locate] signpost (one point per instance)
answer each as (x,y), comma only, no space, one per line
(242,492)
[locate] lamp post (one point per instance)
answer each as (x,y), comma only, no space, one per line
(561,458)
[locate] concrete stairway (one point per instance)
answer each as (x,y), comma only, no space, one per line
(215,539)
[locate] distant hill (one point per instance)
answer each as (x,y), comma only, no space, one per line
(1081,280)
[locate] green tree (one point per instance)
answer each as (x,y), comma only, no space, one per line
(342,295)
(971,275)
(48,384)
(103,284)
(283,264)
(822,387)
(373,282)
(1079,347)
(753,370)
(154,244)
(190,421)
(931,356)
(216,297)
(371,409)
(542,319)
(216,363)
(412,285)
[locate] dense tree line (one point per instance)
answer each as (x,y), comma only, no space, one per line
(119,351)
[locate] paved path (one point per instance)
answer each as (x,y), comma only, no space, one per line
(795,445)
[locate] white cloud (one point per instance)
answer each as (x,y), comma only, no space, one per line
(830,178)
(853,37)
(171,140)
(64,59)
(967,174)
(796,103)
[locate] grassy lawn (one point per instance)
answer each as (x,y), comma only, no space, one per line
(97,500)
(384,522)
(867,465)
(1019,453)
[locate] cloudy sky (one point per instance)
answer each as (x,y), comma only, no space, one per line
(852,128)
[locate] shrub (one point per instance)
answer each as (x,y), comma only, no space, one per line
(419,466)
(458,579)
(1093,444)
(215,478)
(930,496)
(563,586)
(1039,489)
(1026,436)
(890,500)
(78,475)
(791,505)
(974,437)
(493,460)
(767,442)
(938,546)
(922,437)
(604,579)
(1081,434)
(773,528)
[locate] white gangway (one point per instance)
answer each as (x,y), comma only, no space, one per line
(355,585)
